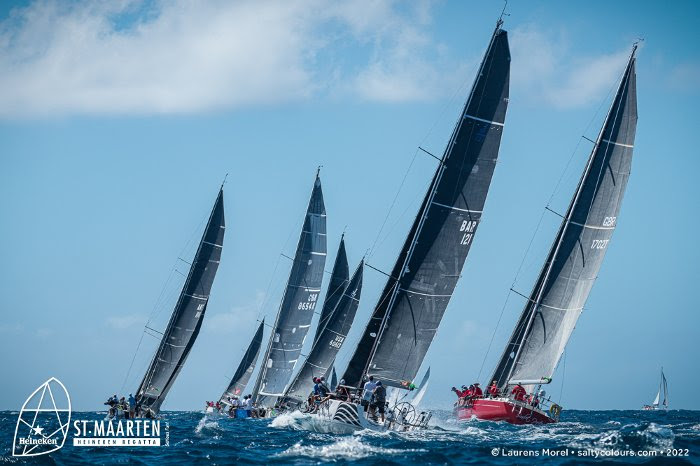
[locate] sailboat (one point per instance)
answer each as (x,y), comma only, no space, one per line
(565,281)
(663,388)
(420,285)
(241,376)
(298,304)
(331,335)
(186,319)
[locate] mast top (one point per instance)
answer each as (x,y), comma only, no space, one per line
(503,13)
(223,182)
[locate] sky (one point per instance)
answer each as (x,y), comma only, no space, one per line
(120,119)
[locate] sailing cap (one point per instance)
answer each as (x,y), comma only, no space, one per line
(379,383)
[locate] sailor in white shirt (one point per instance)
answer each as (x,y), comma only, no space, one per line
(367,393)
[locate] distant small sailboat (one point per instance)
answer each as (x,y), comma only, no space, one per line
(663,388)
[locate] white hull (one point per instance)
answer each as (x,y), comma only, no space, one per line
(340,417)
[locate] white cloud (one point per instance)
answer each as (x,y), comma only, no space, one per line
(546,69)
(125,321)
(239,317)
(181,56)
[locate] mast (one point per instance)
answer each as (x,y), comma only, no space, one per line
(188,314)
(578,250)
(298,303)
(246,366)
(429,265)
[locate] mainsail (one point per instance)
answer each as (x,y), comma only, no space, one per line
(574,260)
(245,368)
(187,317)
(339,280)
(665,385)
(298,304)
(330,339)
(429,265)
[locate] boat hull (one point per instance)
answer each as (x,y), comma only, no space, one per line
(342,417)
(501,409)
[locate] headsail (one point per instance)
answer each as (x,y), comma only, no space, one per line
(299,302)
(330,340)
(422,389)
(567,277)
(245,368)
(429,265)
(186,320)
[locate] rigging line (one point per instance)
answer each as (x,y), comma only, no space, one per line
(393,202)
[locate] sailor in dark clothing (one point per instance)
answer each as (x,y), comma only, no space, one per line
(379,397)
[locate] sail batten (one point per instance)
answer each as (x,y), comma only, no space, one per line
(188,314)
(415,297)
(573,263)
(298,303)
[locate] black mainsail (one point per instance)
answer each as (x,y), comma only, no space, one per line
(187,317)
(245,368)
(566,279)
(339,280)
(330,340)
(429,265)
(298,304)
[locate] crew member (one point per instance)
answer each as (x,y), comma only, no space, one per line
(367,393)
(493,389)
(379,397)
(476,391)
(341,392)
(518,393)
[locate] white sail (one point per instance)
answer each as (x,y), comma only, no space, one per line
(656,400)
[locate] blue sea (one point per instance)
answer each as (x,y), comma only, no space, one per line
(583,437)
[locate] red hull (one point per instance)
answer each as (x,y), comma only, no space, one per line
(501,409)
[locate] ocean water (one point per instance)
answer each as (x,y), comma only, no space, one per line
(618,437)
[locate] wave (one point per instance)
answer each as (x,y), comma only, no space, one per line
(346,448)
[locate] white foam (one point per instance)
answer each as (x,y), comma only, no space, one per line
(289,419)
(348,448)
(206,422)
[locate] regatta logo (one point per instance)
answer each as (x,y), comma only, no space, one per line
(121,433)
(42,424)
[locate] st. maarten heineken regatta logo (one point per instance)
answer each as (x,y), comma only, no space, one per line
(44,423)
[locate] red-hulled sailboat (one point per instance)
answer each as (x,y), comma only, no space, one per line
(545,325)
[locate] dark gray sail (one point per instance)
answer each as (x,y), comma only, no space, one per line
(187,317)
(414,300)
(339,280)
(298,304)
(245,368)
(330,340)
(574,260)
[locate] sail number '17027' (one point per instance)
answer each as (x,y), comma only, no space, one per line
(310,303)
(468,227)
